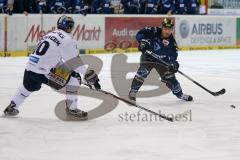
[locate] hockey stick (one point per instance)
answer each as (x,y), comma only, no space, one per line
(131,103)
(218,93)
(222,91)
(138,106)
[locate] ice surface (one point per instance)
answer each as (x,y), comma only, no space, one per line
(213,133)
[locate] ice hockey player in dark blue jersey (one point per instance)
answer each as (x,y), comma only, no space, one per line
(3,6)
(151,6)
(161,42)
(192,6)
(180,6)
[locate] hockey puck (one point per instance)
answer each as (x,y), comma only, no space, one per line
(232,106)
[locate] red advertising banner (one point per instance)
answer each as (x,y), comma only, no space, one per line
(121,31)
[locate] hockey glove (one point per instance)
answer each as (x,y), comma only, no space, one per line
(173,66)
(144,44)
(92,80)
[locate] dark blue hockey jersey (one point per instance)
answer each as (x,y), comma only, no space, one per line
(166,48)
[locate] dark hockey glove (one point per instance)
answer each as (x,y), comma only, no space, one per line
(173,66)
(144,44)
(92,80)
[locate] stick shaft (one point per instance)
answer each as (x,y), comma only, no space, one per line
(138,106)
(186,76)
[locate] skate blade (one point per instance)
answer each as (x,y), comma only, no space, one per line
(8,116)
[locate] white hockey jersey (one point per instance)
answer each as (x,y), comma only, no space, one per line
(53,48)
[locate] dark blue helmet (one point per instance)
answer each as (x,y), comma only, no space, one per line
(65,23)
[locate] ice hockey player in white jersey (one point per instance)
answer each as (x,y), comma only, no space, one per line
(52,50)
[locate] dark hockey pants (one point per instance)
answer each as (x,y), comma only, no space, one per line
(168,78)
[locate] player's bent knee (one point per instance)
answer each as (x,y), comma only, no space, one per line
(32,88)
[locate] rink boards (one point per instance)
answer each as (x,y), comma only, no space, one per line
(116,33)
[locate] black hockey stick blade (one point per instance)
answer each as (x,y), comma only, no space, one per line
(222,91)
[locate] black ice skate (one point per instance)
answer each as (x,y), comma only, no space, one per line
(132,96)
(186,97)
(11,110)
(76,113)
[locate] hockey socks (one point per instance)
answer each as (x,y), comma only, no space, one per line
(20,96)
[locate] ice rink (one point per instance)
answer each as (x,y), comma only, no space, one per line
(212,133)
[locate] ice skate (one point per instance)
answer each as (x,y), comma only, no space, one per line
(186,97)
(76,113)
(11,110)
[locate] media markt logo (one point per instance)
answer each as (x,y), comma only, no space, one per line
(184,28)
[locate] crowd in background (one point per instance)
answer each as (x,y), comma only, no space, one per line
(102,6)
(160,6)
